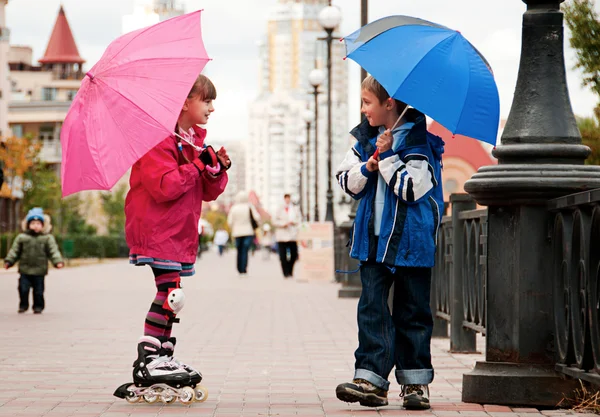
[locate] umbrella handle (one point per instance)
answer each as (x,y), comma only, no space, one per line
(213,170)
(376,154)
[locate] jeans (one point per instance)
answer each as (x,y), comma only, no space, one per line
(287,265)
(27,282)
(401,339)
(242,244)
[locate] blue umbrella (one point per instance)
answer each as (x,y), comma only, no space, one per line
(432,68)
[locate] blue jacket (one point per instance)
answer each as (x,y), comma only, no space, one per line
(414,198)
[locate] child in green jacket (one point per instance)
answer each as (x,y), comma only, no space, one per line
(33,249)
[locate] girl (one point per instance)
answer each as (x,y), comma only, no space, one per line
(162,210)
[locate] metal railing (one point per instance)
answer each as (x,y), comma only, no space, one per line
(575,236)
(459,277)
(460,274)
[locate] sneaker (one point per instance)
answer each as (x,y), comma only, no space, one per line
(22,310)
(37,311)
(362,391)
(416,397)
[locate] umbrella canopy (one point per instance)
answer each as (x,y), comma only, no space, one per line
(130,101)
(432,68)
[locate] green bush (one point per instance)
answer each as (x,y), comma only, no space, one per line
(81,246)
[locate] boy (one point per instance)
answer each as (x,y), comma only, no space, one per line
(33,249)
(394,237)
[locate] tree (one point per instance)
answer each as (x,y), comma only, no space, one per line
(584,24)
(18,155)
(217,219)
(114,208)
(590,135)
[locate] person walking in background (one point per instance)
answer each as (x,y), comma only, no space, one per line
(286,222)
(394,238)
(220,240)
(33,249)
(162,210)
(243,222)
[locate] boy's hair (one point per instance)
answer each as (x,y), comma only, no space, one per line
(287,196)
(204,88)
(372,85)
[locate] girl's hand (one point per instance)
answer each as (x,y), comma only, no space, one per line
(59,265)
(384,142)
(372,164)
(223,158)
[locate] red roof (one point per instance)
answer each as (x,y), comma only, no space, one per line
(463,147)
(61,47)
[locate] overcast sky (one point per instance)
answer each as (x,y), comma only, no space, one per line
(231,29)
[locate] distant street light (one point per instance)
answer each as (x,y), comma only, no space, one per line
(300,141)
(329,18)
(316,78)
(308,117)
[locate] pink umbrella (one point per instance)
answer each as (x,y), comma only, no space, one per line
(130,101)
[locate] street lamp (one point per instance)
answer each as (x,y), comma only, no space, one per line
(307,115)
(300,141)
(316,78)
(329,18)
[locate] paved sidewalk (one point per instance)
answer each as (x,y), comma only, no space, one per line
(266,346)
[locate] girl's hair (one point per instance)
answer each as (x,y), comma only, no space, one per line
(372,85)
(204,88)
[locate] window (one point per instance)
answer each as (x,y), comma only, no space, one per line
(46,132)
(17,131)
(48,94)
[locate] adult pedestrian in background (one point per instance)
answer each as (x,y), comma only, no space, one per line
(286,221)
(243,220)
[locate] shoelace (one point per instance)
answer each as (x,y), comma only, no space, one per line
(409,389)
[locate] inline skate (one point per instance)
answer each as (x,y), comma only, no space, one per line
(157,377)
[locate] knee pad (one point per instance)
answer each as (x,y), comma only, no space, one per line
(175,300)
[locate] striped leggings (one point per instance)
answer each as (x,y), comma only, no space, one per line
(160,319)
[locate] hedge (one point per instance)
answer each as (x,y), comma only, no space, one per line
(80,246)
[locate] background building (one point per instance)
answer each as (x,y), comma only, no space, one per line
(42,94)
(462,158)
(289,52)
(4,83)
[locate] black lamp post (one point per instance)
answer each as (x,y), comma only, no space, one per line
(316,78)
(300,141)
(541,157)
(329,18)
(308,118)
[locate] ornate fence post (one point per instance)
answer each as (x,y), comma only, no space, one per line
(461,339)
(541,157)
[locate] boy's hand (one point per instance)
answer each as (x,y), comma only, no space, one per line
(59,265)
(7,265)
(223,158)
(372,165)
(385,141)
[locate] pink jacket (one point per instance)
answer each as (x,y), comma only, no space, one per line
(163,206)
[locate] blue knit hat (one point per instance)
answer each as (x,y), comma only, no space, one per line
(35,213)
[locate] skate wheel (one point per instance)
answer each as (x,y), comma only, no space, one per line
(201,393)
(131,397)
(150,398)
(167,398)
(188,395)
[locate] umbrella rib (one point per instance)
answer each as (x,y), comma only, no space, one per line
(127,99)
(420,60)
